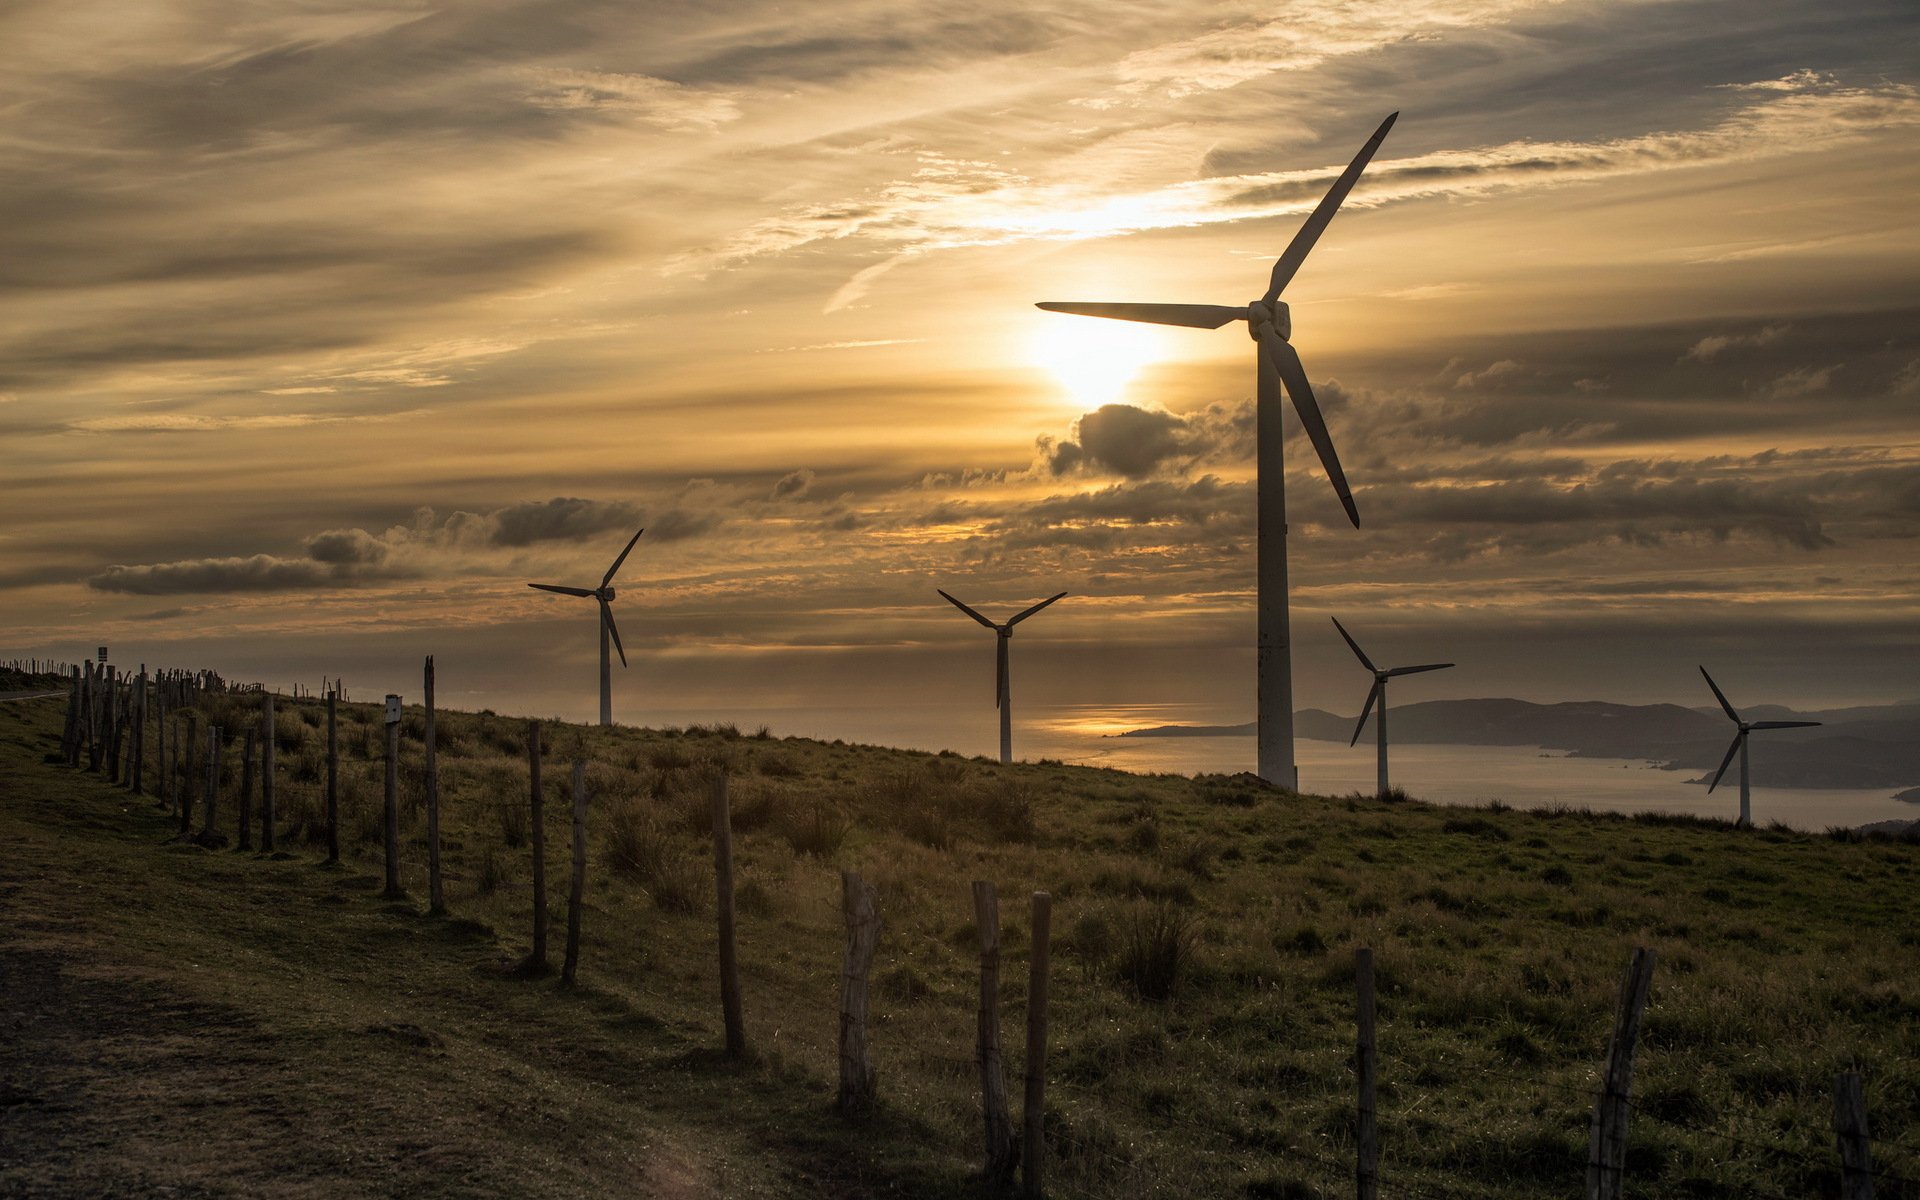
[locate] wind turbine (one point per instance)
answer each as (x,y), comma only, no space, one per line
(604,594)
(1002,688)
(1379,693)
(1271,327)
(1740,746)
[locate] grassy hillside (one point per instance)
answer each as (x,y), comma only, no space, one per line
(1202,992)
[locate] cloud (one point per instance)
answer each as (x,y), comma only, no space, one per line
(1124,439)
(1800,382)
(254,573)
(638,97)
(563,518)
(345,547)
(1709,349)
(792,486)
(1504,372)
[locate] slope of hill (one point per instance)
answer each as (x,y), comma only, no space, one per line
(216,1022)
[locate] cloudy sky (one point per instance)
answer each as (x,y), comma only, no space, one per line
(325,326)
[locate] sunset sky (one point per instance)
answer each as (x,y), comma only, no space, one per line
(324,327)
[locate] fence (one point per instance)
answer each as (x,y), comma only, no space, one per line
(109,716)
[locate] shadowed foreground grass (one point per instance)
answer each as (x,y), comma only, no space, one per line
(271,1026)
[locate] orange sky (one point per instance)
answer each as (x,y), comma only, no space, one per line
(328,326)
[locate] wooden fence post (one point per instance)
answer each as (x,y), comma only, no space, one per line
(392,798)
(1033,1151)
(333,777)
(70,731)
(163,783)
(723,895)
(213,782)
(137,782)
(1366,1139)
(110,703)
(436,898)
(1850,1131)
(188,744)
(1003,1154)
(246,788)
(578,896)
(537,961)
(858,1081)
(267,814)
(1607,1155)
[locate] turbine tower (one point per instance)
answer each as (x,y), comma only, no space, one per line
(1740,746)
(1379,692)
(1271,327)
(604,594)
(1002,688)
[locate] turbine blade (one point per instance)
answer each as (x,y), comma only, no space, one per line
(1036,608)
(1731,751)
(1280,357)
(1357,651)
(1372,695)
(963,608)
(1193,316)
(621,559)
(606,614)
(1416,670)
(564,591)
(1316,224)
(1722,698)
(1783,725)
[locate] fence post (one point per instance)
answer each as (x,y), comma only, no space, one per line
(392,823)
(212,793)
(266,773)
(578,895)
(1366,1140)
(246,789)
(1850,1131)
(188,744)
(70,730)
(436,899)
(110,703)
(537,961)
(137,783)
(1033,1152)
(858,1081)
(1003,1155)
(723,895)
(333,779)
(1607,1155)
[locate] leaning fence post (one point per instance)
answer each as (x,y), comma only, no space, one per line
(1002,1152)
(1366,1140)
(392,825)
(858,1081)
(266,773)
(538,959)
(723,894)
(578,896)
(1850,1131)
(246,789)
(1033,1153)
(436,899)
(1607,1156)
(333,779)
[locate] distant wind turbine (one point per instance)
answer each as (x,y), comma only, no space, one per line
(1739,746)
(604,594)
(1379,692)
(1002,687)
(1271,326)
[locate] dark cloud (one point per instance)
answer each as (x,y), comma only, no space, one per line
(792,486)
(346,547)
(1122,439)
(563,518)
(255,573)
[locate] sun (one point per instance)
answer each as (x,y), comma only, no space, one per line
(1093,360)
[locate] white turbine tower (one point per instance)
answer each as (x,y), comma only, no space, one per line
(1002,686)
(1271,326)
(1739,746)
(1379,692)
(604,594)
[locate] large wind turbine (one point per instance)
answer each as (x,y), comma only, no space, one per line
(1379,693)
(1271,326)
(604,594)
(1740,746)
(1002,688)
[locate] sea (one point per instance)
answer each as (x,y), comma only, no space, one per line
(1522,776)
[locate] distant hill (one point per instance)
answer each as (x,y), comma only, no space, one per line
(1867,747)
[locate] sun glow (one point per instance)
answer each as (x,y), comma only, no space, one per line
(1094,360)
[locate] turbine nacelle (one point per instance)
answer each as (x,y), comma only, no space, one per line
(1263,315)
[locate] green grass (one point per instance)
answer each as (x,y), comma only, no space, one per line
(1499,938)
